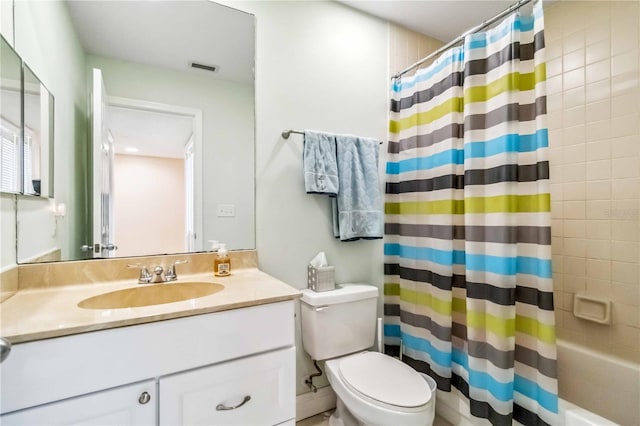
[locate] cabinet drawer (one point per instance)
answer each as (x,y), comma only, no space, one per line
(126,406)
(257,390)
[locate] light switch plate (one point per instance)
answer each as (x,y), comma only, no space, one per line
(226,210)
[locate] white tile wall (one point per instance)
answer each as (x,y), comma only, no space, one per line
(593,68)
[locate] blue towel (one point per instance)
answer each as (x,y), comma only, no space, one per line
(357,210)
(319,163)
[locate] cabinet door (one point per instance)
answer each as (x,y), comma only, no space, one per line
(257,390)
(127,405)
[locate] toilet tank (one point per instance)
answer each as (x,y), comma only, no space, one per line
(338,322)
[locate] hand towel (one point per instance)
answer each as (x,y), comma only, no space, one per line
(320,165)
(358,206)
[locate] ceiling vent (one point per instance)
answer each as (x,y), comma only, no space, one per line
(212,68)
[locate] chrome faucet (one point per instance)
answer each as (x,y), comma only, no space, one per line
(147,278)
(157,275)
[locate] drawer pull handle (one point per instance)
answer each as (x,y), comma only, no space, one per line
(5,348)
(222,407)
(144,398)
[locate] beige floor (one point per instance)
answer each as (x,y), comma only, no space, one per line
(322,419)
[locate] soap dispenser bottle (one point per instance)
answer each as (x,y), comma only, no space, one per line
(222,262)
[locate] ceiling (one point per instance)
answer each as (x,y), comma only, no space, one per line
(443,20)
(154,134)
(174,33)
(159,33)
(170,34)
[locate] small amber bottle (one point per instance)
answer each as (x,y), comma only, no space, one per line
(222,262)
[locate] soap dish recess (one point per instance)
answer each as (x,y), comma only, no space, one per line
(592,309)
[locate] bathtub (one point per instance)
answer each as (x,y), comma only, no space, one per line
(603,391)
(595,382)
(571,415)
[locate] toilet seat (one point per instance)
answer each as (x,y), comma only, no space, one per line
(394,383)
(372,410)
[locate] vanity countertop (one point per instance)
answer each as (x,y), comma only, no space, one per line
(41,313)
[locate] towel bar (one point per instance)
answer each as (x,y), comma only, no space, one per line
(287,133)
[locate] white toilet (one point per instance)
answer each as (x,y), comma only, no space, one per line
(338,326)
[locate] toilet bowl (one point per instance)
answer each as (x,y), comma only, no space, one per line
(338,326)
(376,389)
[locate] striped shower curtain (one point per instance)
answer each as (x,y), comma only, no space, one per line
(468,290)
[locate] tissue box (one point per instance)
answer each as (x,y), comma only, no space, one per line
(320,278)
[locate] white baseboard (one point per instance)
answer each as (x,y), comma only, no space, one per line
(309,404)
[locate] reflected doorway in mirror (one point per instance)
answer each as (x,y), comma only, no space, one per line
(149,195)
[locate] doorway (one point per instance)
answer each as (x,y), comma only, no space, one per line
(154,176)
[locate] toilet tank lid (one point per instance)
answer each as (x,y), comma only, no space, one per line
(343,293)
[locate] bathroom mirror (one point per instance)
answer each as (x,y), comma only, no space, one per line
(191,59)
(10,117)
(37,148)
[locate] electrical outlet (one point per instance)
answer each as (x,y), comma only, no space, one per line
(226,210)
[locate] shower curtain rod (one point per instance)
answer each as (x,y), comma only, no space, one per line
(287,133)
(461,37)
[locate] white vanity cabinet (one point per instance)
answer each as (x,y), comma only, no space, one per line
(131,405)
(187,366)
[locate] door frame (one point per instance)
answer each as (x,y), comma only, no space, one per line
(99,137)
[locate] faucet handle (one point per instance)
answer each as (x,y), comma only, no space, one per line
(171,274)
(145,275)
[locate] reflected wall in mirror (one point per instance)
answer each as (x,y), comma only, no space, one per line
(146,60)
(37,154)
(10,117)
